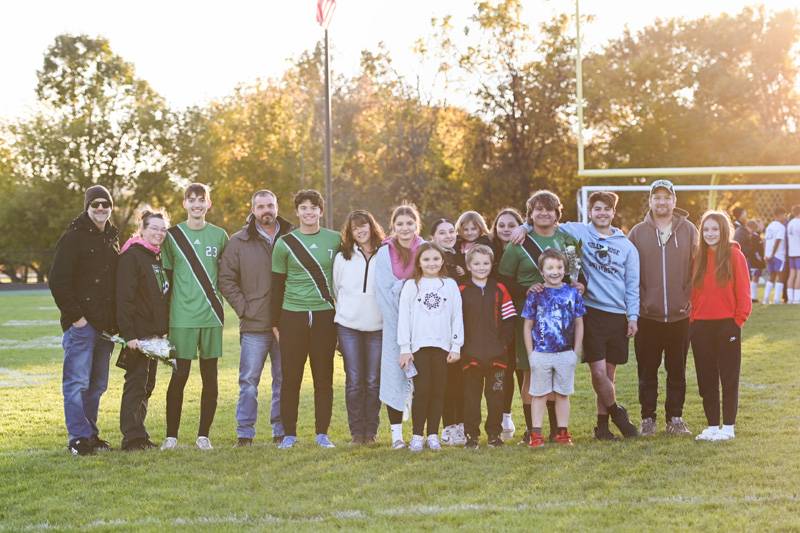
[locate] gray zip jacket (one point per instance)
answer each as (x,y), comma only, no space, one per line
(665,280)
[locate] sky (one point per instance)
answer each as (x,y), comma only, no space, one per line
(194,52)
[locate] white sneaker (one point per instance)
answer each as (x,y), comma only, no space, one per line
(433,443)
(398,444)
(457,435)
(508,429)
(203,443)
(708,434)
(170,443)
(417,443)
(726,433)
(448,434)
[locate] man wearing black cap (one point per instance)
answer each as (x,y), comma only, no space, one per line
(82,283)
(666,241)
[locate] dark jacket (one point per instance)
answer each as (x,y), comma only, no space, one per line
(142,294)
(82,278)
(245,275)
(665,281)
(488,328)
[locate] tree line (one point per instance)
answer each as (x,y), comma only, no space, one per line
(717,90)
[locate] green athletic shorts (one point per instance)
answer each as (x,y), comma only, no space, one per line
(522,353)
(187,341)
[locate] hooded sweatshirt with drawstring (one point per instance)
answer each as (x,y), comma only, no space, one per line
(665,281)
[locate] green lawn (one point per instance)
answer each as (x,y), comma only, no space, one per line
(662,483)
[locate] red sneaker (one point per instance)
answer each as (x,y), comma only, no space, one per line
(537,441)
(564,438)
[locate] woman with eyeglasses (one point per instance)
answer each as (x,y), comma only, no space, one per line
(142,312)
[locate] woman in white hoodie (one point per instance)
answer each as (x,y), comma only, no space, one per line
(358,323)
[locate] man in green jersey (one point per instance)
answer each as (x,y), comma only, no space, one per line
(191,253)
(303,308)
(519,271)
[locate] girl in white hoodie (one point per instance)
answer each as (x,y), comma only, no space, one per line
(430,332)
(358,323)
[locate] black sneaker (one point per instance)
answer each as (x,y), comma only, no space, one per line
(100,445)
(243,442)
(604,434)
(621,420)
(471,444)
(80,446)
(495,441)
(138,445)
(526,438)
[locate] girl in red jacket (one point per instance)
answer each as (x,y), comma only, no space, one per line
(720,305)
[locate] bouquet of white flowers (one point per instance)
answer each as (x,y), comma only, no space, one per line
(158,348)
(573,263)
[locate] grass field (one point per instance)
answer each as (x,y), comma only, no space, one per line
(662,483)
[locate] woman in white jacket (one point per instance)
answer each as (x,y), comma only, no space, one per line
(358,323)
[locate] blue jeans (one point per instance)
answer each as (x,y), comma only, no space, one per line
(255,347)
(361,351)
(84,379)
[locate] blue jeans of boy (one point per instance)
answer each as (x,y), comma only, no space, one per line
(255,348)
(84,379)
(361,351)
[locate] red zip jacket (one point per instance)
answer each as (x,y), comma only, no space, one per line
(712,302)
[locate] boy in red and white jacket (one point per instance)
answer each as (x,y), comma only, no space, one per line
(721,303)
(488,310)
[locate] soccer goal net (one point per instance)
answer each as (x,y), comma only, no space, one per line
(759,200)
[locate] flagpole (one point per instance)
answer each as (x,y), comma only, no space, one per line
(328,184)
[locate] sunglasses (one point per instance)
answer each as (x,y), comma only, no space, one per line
(97,204)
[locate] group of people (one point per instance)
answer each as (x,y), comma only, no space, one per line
(429,328)
(777,253)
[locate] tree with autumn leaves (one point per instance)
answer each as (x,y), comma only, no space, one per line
(713,91)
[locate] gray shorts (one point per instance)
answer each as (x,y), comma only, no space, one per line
(553,372)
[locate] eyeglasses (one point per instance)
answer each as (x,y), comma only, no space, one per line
(98,204)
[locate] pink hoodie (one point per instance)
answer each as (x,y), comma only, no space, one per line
(398,269)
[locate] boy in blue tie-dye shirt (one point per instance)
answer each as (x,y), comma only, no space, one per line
(554,341)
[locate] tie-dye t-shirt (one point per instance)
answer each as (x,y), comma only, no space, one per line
(553,312)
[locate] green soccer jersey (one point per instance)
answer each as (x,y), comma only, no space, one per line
(189,305)
(302,292)
(517,264)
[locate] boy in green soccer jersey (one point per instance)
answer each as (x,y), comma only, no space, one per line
(302,305)
(191,252)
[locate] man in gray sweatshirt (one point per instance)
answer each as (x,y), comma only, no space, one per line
(666,241)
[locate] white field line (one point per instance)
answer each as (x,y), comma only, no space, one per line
(15,378)
(426,511)
(47,308)
(31,344)
(25,323)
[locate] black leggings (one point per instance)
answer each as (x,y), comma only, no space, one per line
(395,416)
(307,335)
(717,349)
(429,385)
(208,397)
(454,395)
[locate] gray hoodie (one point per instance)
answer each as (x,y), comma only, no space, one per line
(665,281)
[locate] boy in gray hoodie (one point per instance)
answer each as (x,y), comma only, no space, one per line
(666,241)
(610,263)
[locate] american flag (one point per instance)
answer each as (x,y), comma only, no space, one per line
(325,12)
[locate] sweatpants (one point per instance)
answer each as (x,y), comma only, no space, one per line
(307,335)
(656,340)
(429,386)
(208,396)
(717,350)
(483,380)
(454,395)
(140,380)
